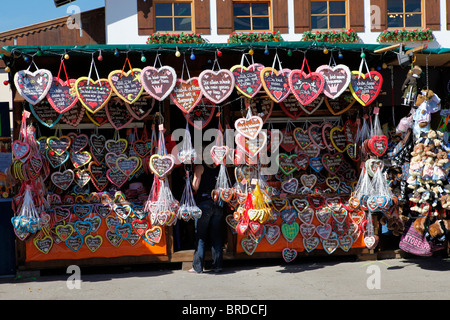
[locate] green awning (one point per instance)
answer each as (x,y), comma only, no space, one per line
(198,48)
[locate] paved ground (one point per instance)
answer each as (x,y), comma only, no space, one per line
(324,279)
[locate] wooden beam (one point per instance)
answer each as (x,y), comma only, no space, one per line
(419,48)
(395,46)
(4,52)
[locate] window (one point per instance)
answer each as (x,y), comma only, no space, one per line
(404,14)
(252,16)
(329,14)
(173,16)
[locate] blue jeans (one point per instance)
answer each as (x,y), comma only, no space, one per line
(209,225)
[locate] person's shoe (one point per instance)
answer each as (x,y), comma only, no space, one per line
(193,271)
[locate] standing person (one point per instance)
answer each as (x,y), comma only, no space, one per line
(210,223)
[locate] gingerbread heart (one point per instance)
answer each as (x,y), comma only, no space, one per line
(366,87)
(247,79)
(161,165)
(306,87)
(158,83)
(289,254)
(249,127)
(33,86)
(127,85)
(276,83)
(62,95)
(216,86)
(286,163)
(93,95)
(337,79)
(186,94)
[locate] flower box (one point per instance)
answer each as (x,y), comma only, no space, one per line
(162,38)
(332,36)
(243,37)
(405,35)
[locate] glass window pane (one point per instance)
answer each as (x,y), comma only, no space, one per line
(241,23)
(319,22)
(337,22)
(261,23)
(260,9)
(164,24)
(337,7)
(318,7)
(241,9)
(394,6)
(395,21)
(413,6)
(413,20)
(182,9)
(163,9)
(182,24)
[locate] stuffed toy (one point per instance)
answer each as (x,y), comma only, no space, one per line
(427,102)
(418,151)
(441,158)
(445,201)
(419,224)
(409,87)
(439,228)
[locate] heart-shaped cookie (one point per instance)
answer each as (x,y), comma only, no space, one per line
(366,87)
(272,233)
(307,230)
(306,87)
(186,94)
(310,243)
(118,114)
(216,86)
(302,138)
(62,180)
(378,145)
(337,79)
(290,231)
(276,83)
(33,86)
(62,95)
(158,83)
(94,95)
(286,163)
(289,254)
(291,107)
(308,180)
(161,165)
(93,242)
(127,85)
(247,79)
(341,104)
(249,127)
(249,245)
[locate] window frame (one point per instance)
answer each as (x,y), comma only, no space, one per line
(173,17)
(347,16)
(269,16)
(422,19)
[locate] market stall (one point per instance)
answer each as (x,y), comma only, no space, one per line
(304,136)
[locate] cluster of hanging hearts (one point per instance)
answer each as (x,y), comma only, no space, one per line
(372,193)
(214,85)
(55,173)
